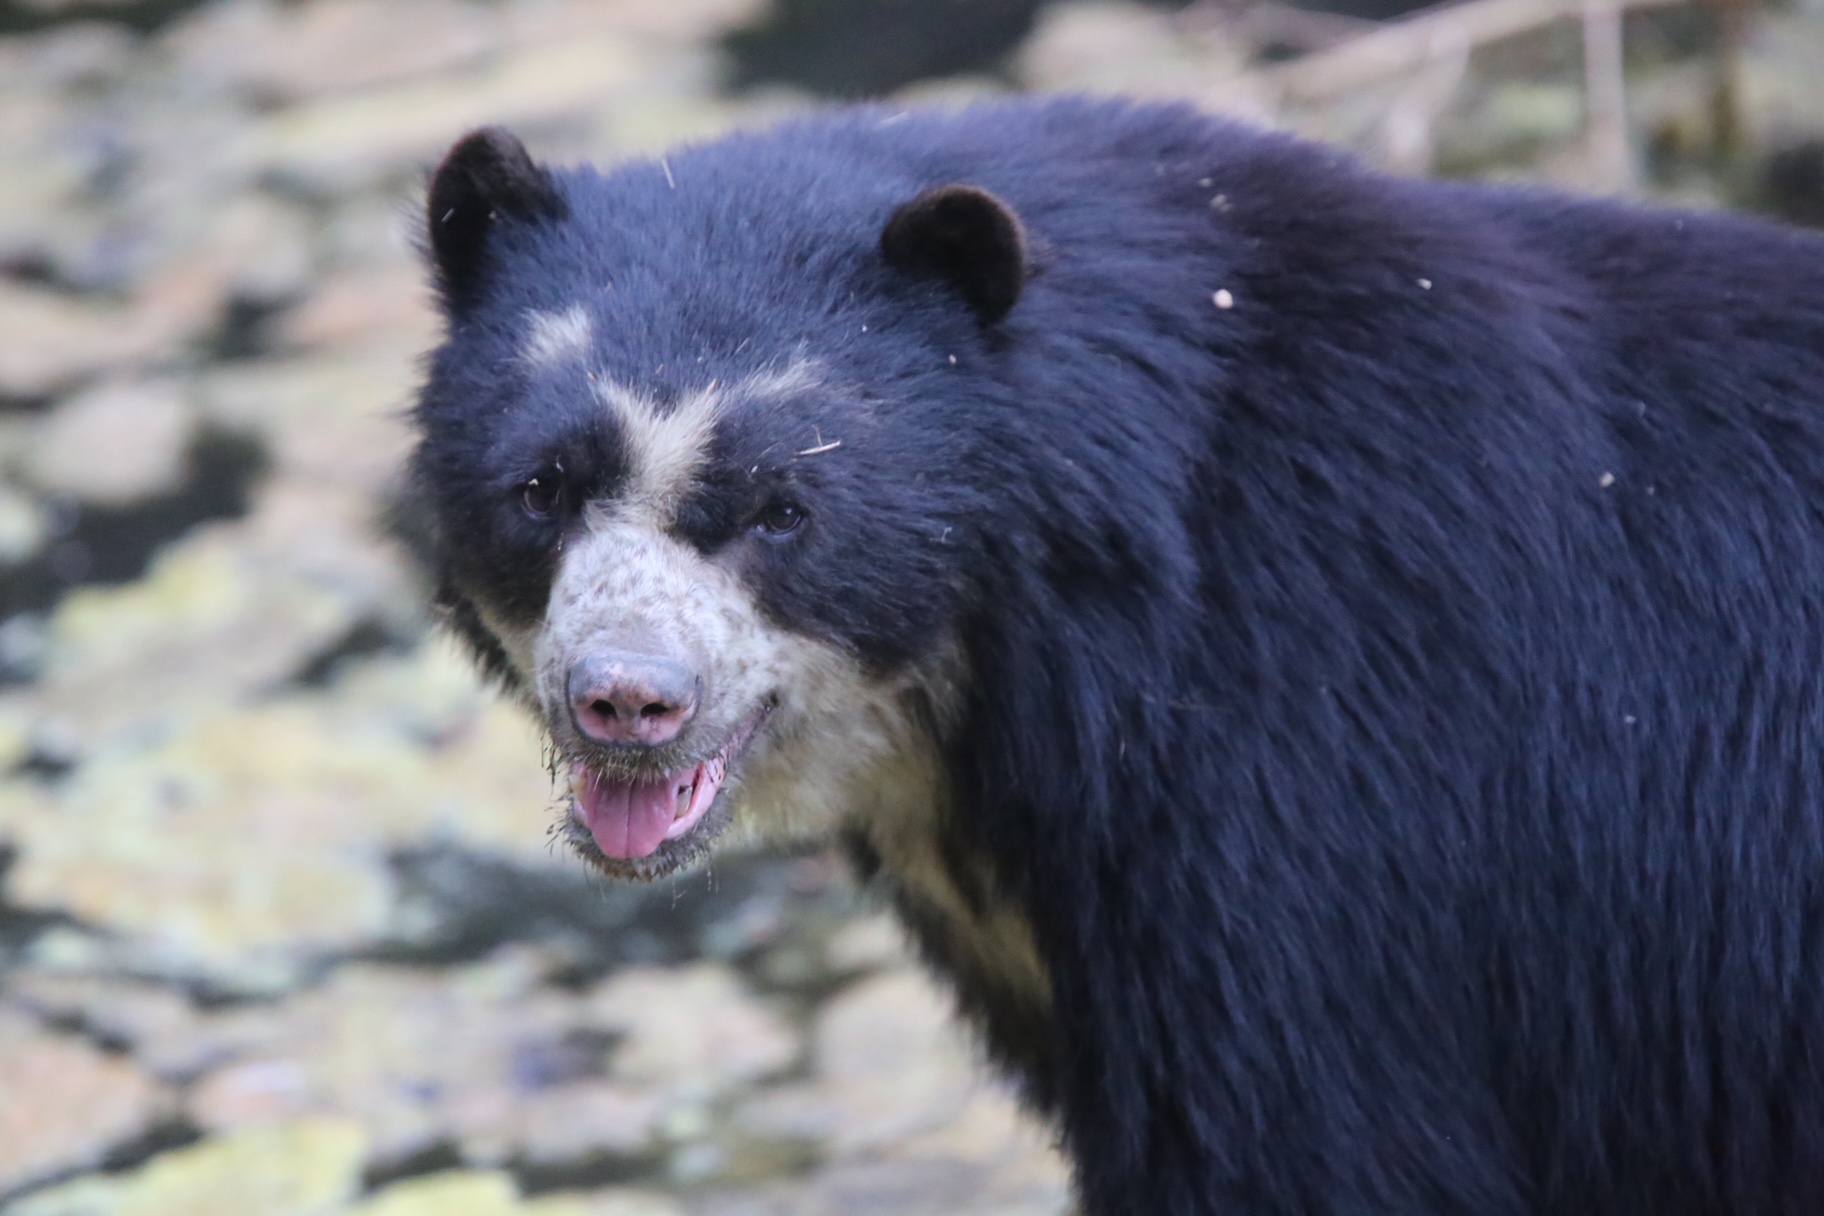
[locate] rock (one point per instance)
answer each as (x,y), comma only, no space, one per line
(313,788)
(73,950)
(465,1193)
(43,224)
(952,91)
(468,770)
(118,442)
(55,340)
(23,527)
(307,1168)
(145,831)
(220,614)
(481,1057)
(623,1202)
(665,119)
(343,143)
(150,1020)
(22,650)
(284,53)
(1121,46)
(695,1030)
(78,55)
(870,942)
(678,22)
(256,250)
(989,1159)
(905,1116)
(330,420)
(486,787)
(468,1192)
(388,304)
(67,1104)
(922,1188)
(177,306)
(580,1121)
(64,7)
(871,1031)
(52,340)
(15,725)
(888,1061)
(1013,1151)
(368,230)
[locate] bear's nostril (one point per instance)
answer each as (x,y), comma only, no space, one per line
(620,698)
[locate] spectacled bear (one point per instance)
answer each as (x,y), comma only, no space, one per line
(1330,667)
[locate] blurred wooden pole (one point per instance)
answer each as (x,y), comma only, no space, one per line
(1409,130)
(1605,94)
(1728,130)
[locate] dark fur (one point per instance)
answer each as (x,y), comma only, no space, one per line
(966,237)
(1397,709)
(486,178)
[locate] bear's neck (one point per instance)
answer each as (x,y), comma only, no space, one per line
(970,932)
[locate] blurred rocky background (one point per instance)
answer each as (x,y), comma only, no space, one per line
(279,928)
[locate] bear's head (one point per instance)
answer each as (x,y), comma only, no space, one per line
(699,480)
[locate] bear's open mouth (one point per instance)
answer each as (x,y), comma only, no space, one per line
(640,820)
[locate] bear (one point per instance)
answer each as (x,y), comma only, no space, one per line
(1328,666)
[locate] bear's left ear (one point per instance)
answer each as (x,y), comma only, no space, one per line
(486,178)
(966,237)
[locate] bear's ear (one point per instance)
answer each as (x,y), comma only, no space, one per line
(487,177)
(966,237)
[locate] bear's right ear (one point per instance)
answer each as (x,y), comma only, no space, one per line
(966,237)
(487,177)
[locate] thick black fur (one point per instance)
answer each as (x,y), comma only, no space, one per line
(1395,700)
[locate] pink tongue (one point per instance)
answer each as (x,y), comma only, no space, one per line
(628,820)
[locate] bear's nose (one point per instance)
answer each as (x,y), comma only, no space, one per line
(616,697)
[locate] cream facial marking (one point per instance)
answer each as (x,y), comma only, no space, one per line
(552,337)
(800,734)
(665,449)
(667,445)
(516,642)
(836,748)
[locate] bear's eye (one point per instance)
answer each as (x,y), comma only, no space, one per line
(542,494)
(779,518)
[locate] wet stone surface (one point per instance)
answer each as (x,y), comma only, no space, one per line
(280,928)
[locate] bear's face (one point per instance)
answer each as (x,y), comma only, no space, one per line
(675,641)
(727,587)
